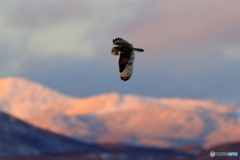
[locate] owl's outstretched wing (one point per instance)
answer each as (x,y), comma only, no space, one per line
(126,65)
(121,42)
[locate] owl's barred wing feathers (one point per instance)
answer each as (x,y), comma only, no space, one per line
(121,42)
(126,65)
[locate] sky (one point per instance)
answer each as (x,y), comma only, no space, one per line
(191,47)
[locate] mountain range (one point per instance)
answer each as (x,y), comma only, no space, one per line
(126,119)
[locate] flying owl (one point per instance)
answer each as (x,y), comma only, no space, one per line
(126,51)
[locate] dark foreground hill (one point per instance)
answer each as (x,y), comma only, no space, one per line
(17,138)
(113,152)
(124,152)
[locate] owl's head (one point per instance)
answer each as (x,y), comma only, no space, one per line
(115,51)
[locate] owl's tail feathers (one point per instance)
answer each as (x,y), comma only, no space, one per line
(138,49)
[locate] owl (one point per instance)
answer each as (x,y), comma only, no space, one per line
(126,59)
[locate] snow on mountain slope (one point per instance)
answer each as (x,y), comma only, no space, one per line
(24,98)
(129,119)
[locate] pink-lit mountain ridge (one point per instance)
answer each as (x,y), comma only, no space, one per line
(114,118)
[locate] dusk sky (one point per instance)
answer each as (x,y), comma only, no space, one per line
(191,47)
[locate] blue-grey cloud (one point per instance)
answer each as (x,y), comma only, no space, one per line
(191,48)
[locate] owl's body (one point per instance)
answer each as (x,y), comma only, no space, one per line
(126,59)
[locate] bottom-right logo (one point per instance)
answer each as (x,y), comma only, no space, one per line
(212,153)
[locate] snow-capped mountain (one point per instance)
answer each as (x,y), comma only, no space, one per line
(114,118)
